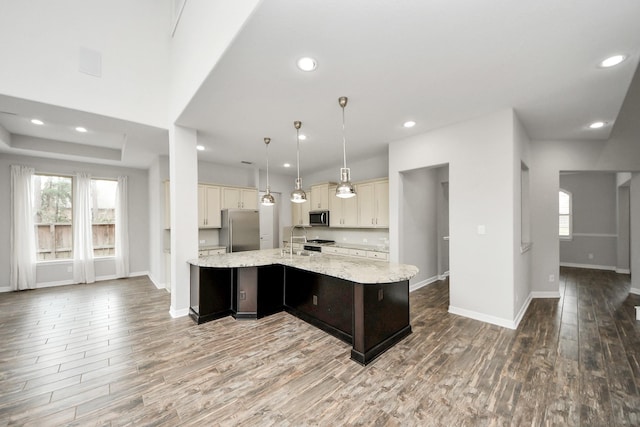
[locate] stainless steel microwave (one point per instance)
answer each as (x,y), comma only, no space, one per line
(319,218)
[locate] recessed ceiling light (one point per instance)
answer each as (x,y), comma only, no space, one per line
(287,165)
(597,125)
(81,129)
(612,61)
(409,124)
(200,147)
(307,64)
(37,122)
(303,137)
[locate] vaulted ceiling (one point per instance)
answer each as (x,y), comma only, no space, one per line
(433,62)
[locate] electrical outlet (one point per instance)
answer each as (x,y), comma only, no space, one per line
(315,300)
(365,240)
(202,242)
(590,256)
(552,278)
(243,295)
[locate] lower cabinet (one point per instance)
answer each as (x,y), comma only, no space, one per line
(370,317)
(324,301)
(210,297)
(257,291)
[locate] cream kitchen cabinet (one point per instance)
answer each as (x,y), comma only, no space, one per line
(300,213)
(343,212)
(373,204)
(320,197)
(239,198)
(208,206)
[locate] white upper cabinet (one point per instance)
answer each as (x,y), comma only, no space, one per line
(239,198)
(373,204)
(300,213)
(319,197)
(343,212)
(208,206)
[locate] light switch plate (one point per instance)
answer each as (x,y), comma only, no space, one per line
(482,229)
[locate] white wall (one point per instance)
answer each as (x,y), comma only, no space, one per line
(419,224)
(548,159)
(594,203)
(635,240)
(205,30)
(40,55)
(623,260)
(56,272)
(361,170)
(521,259)
(156,225)
(480,154)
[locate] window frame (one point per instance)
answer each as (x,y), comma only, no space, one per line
(70,259)
(56,260)
(569,215)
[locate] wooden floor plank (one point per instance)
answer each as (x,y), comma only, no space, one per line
(110,354)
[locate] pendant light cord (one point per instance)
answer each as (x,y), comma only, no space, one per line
(298,151)
(344,141)
(267,167)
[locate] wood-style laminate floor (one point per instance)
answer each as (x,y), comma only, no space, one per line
(110,354)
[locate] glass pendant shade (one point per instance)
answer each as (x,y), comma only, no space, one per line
(345,189)
(267,199)
(298,195)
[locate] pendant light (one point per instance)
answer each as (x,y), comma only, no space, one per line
(267,199)
(345,189)
(298,195)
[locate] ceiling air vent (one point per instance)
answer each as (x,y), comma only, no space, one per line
(244,162)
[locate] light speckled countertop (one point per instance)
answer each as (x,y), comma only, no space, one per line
(360,270)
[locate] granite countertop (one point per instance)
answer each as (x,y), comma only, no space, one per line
(360,270)
(200,248)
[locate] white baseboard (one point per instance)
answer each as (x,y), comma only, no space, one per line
(423,283)
(623,271)
(505,323)
(443,275)
(591,266)
(635,291)
(52,284)
(545,294)
(156,282)
(522,311)
(5,289)
(178,313)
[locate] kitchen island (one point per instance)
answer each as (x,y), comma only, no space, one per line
(363,302)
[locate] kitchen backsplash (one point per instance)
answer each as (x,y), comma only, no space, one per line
(372,237)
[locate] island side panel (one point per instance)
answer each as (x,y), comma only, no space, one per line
(381,318)
(210,297)
(325,302)
(270,290)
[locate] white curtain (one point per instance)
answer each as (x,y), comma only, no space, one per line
(23,236)
(122,228)
(83,268)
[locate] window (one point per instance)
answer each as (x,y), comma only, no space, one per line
(565,214)
(103,216)
(53,215)
(53,203)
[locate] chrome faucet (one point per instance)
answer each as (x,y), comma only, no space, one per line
(296,237)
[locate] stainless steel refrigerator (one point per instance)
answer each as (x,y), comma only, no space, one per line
(240,230)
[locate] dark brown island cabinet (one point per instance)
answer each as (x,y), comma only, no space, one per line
(370,317)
